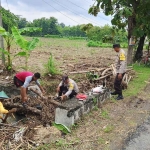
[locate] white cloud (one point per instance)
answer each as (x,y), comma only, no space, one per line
(31,12)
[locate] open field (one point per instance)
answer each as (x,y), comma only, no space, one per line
(65,52)
(101,129)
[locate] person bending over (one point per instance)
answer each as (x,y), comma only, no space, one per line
(23,79)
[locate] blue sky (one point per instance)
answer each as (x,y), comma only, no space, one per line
(70,12)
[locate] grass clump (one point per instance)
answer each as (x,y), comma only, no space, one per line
(108,128)
(104,114)
(51,67)
(138,83)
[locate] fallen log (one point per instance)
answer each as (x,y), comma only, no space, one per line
(54,102)
(106,70)
(78,72)
(103,77)
(21,108)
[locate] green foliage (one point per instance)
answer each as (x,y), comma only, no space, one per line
(53,36)
(51,66)
(108,128)
(91,76)
(62,128)
(77,38)
(138,83)
(26,46)
(94,100)
(95,108)
(133,13)
(103,45)
(9,19)
(104,114)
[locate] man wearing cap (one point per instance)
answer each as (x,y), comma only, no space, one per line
(120,70)
(23,79)
(67,88)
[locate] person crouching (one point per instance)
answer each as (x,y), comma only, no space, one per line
(67,88)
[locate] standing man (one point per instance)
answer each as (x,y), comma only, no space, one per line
(120,70)
(67,88)
(23,79)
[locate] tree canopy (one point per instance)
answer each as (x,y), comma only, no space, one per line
(133,15)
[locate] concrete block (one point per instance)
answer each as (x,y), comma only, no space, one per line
(61,117)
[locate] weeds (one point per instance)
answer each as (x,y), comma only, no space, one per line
(108,128)
(51,67)
(101,141)
(95,108)
(104,114)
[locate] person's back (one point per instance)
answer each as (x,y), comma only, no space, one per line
(75,87)
(22,75)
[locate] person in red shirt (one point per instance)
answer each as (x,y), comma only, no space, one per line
(23,79)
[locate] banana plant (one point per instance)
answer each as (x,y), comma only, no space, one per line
(8,39)
(26,46)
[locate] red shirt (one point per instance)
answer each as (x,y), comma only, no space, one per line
(22,75)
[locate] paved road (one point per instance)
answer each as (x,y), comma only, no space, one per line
(140,140)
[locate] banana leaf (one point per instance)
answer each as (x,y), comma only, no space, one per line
(62,128)
(32,44)
(20,40)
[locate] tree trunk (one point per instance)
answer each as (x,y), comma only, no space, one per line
(20,108)
(130,55)
(139,51)
(148,47)
(131,25)
(9,65)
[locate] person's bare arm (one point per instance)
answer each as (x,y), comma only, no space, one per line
(41,88)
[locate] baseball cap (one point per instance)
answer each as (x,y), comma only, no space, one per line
(64,78)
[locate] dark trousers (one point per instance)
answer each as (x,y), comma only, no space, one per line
(117,84)
(18,82)
(64,90)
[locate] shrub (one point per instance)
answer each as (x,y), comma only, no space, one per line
(103,45)
(53,36)
(77,38)
(51,67)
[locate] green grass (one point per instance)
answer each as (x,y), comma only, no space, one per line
(103,45)
(108,128)
(138,83)
(105,114)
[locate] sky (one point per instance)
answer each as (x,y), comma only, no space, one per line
(70,12)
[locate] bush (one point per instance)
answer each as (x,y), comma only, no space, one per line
(53,36)
(103,45)
(51,67)
(77,38)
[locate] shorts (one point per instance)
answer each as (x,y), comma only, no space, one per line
(18,82)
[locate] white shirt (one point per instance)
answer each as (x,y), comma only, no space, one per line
(28,80)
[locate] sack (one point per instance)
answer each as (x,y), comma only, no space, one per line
(98,90)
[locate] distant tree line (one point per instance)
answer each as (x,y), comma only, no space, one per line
(50,27)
